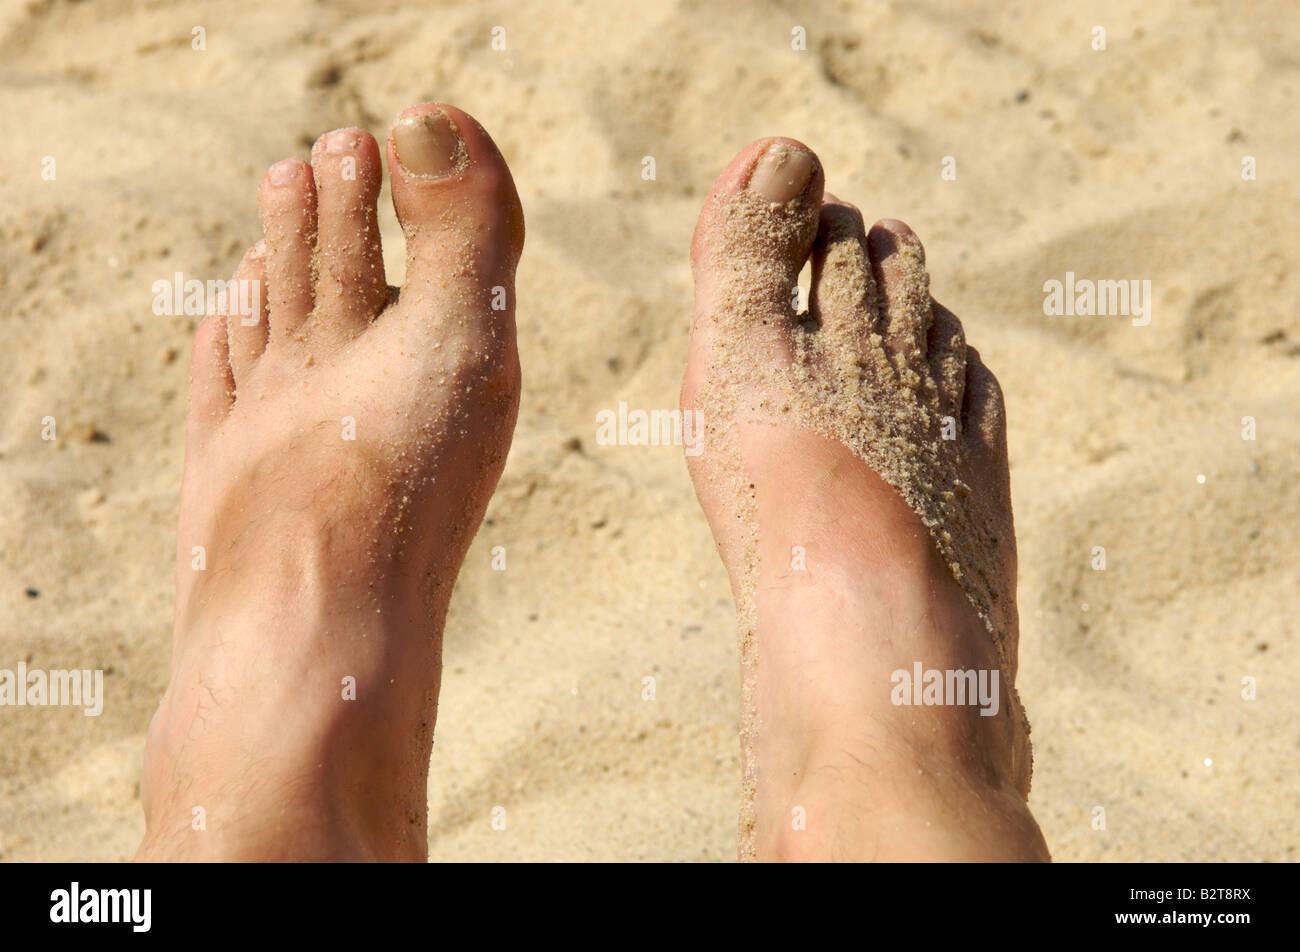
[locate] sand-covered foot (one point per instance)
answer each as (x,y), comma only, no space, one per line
(342,444)
(855,476)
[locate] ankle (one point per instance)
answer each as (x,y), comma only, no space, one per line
(277,835)
(284,816)
(307,780)
(901,805)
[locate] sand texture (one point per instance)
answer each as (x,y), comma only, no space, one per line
(1117,164)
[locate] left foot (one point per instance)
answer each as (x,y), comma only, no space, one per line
(340,453)
(824,441)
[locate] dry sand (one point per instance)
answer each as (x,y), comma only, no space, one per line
(1117,164)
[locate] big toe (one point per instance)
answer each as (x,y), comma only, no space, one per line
(459,210)
(753,236)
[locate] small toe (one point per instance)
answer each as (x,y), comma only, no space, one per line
(212,386)
(243,306)
(898,263)
(984,414)
(350,284)
(288,208)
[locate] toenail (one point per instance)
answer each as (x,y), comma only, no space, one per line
(782,173)
(896,227)
(340,142)
(282,173)
(429,145)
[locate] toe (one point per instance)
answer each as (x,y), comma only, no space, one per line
(458,207)
(753,236)
(898,263)
(212,387)
(288,208)
(843,288)
(946,352)
(245,312)
(986,465)
(984,418)
(350,284)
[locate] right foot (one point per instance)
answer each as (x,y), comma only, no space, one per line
(817,428)
(341,448)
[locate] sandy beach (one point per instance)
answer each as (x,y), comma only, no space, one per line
(1163,689)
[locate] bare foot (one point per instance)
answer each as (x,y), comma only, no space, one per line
(856,480)
(342,445)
